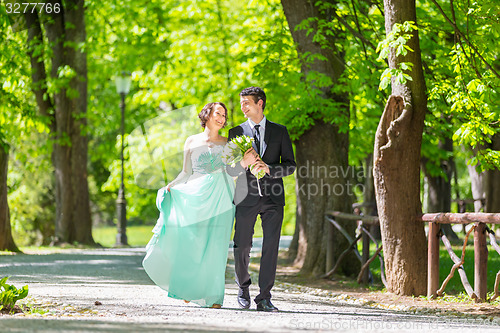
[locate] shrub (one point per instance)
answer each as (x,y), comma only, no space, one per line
(9,295)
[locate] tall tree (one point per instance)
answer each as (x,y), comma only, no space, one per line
(397,154)
(478,184)
(323,144)
(65,103)
(15,118)
(6,240)
(484,183)
(493,190)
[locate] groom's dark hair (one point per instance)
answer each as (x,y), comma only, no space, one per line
(256,93)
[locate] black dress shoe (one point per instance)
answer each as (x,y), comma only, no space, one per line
(244,298)
(267,306)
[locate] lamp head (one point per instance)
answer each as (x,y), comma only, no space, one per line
(123,82)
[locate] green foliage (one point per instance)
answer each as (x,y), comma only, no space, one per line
(490,159)
(396,39)
(29,181)
(355,27)
(64,76)
(31,196)
(180,54)
(184,53)
(9,294)
(310,97)
(462,88)
(399,74)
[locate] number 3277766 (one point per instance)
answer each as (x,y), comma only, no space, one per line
(32,7)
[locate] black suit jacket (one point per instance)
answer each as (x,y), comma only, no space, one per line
(278,156)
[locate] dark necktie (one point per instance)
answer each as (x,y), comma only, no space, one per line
(256,137)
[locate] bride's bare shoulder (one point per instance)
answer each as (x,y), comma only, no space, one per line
(195,137)
(191,140)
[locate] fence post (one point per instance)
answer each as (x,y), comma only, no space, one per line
(366,255)
(329,247)
(480,261)
(433,259)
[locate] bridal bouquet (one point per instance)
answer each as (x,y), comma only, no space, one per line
(234,150)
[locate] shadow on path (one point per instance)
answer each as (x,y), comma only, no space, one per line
(42,325)
(122,266)
(129,302)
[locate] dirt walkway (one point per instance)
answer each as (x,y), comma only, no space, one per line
(69,283)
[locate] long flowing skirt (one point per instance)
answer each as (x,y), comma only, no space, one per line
(187,254)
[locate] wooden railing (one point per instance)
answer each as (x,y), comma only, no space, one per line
(479,221)
(479,228)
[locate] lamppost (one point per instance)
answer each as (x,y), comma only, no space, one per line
(122,87)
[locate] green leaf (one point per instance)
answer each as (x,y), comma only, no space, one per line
(3,281)
(407,77)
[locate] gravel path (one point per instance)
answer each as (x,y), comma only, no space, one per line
(69,283)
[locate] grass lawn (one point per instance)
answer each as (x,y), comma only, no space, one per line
(455,285)
(139,235)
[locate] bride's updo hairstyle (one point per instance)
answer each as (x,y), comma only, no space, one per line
(207,111)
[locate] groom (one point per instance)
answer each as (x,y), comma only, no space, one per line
(272,152)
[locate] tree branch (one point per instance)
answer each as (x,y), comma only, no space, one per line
(357,25)
(354,32)
(459,33)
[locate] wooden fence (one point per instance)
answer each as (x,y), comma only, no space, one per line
(364,221)
(480,229)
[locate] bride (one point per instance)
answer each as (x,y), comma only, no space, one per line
(187,254)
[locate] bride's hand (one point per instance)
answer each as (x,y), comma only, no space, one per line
(167,188)
(260,165)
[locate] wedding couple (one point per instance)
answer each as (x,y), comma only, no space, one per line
(187,254)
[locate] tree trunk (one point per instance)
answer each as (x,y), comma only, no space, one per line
(61,157)
(478,186)
(66,33)
(322,189)
(82,223)
(296,247)
(493,187)
(321,148)
(369,200)
(439,188)
(397,166)
(6,241)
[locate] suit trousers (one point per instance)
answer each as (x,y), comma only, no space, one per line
(271,215)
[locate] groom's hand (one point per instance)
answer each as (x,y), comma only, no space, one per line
(249,158)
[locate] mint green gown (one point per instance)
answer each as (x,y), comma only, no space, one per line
(187,254)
